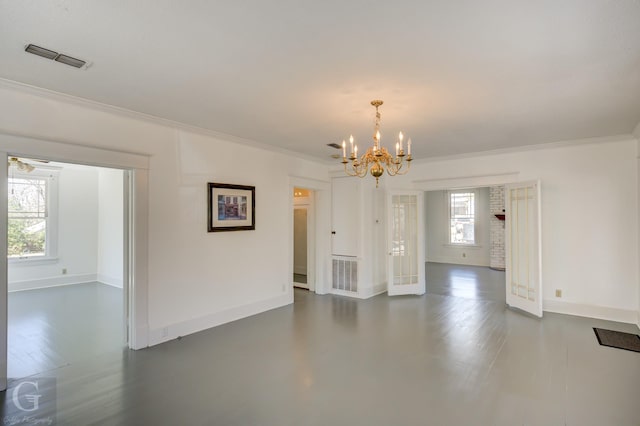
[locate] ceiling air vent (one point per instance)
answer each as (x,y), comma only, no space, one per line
(41,51)
(68,60)
(334,145)
(58,57)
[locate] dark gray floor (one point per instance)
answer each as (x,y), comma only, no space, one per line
(328,360)
(53,327)
(471,282)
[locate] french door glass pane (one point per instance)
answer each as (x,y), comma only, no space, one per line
(405,239)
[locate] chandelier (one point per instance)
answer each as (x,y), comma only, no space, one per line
(377,159)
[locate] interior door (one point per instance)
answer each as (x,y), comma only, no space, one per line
(405,210)
(4,296)
(523,246)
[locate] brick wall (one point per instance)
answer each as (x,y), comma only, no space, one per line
(496,227)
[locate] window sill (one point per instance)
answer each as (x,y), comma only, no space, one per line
(28,261)
(472,246)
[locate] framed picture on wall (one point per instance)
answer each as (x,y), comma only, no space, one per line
(231,207)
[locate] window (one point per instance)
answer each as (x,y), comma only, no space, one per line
(30,228)
(462,217)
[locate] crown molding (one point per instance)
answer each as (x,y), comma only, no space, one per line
(127,113)
(135,115)
(528,148)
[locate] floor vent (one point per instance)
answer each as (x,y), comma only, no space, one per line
(345,274)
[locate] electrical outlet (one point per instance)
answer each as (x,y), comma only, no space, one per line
(464,254)
(165,332)
(64,271)
(558,292)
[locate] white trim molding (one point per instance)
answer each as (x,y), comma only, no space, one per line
(51,282)
(173,331)
(461,182)
(109,280)
(136,115)
(590,311)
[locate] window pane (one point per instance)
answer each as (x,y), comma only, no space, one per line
(27,211)
(462,218)
(27,197)
(26,237)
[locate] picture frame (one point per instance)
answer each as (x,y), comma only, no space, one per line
(231,207)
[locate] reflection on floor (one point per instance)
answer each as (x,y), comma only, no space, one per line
(471,282)
(57,326)
(299,278)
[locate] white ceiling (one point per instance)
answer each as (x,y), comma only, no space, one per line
(456,76)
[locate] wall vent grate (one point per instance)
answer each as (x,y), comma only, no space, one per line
(345,275)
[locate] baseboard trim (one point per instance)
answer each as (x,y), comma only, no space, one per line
(374,291)
(51,282)
(591,311)
(112,281)
(456,261)
(170,332)
(364,293)
(141,338)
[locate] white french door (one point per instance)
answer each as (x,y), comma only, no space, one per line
(405,211)
(523,246)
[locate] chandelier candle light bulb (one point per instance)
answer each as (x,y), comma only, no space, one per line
(377,159)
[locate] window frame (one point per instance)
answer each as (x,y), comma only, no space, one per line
(475,193)
(51,175)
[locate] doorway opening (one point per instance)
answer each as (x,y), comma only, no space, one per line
(65,264)
(303,238)
(522,236)
(465,242)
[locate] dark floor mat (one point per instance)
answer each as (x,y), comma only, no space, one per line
(618,339)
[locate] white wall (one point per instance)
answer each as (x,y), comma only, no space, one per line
(437,227)
(589,218)
(110,227)
(77,236)
(358,220)
(196,279)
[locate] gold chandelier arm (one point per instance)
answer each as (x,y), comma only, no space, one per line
(358,169)
(395,169)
